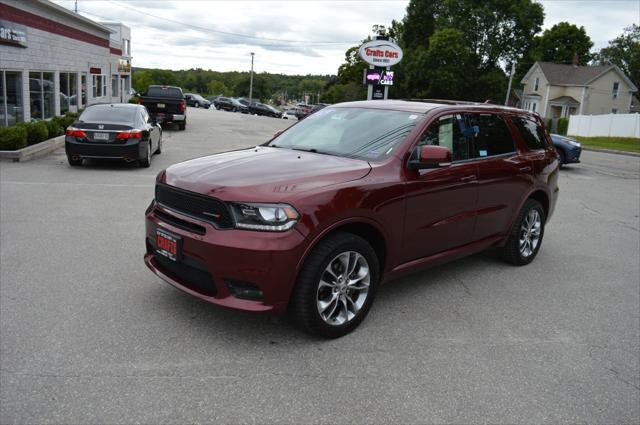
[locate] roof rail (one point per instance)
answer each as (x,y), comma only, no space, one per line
(444,101)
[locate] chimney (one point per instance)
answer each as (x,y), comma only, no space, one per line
(574,61)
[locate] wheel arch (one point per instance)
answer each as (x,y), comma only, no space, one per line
(365,228)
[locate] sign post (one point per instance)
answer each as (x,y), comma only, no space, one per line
(380,54)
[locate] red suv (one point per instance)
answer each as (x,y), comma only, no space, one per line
(357,194)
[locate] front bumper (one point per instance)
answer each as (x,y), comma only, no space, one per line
(572,155)
(213,260)
(129,151)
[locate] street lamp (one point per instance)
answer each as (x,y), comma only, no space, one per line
(251,80)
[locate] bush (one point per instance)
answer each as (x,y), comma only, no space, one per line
(36,132)
(54,127)
(563,126)
(134,99)
(64,121)
(13,138)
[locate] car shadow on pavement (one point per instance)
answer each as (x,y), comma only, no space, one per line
(232,326)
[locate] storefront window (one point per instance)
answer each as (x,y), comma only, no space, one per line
(68,92)
(13,96)
(114,85)
(99,85)
(83,87)
(35,95)
(64,90)
(41,95)
(48,95)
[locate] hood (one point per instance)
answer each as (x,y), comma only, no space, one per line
(263,174)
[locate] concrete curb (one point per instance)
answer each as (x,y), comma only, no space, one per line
(34,151)
(611,151)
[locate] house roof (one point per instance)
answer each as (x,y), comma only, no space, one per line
(565,99)
(558,74)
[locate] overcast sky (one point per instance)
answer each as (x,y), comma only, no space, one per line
(293,37)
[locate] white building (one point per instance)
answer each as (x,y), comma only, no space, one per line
(53,61)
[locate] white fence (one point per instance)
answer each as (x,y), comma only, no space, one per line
(612,125)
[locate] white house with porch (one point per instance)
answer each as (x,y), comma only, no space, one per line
(556,90)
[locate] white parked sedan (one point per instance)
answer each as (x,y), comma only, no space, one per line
(289,115)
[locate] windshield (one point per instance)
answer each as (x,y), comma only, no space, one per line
(368,134)
(109,115)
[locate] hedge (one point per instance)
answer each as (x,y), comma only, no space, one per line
(36,132)
(563,126)
(13,138)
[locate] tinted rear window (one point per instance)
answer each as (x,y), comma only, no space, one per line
(165,92)
(109,115)
(532,133)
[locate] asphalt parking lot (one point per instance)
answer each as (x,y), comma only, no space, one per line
(89,335)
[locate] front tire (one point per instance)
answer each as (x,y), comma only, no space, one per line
(336,286)
(525,239)
(197,105)
(562,158)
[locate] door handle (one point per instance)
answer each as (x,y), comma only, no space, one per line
(525,169)
(468,178)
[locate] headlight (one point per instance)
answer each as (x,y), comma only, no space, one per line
(267,217)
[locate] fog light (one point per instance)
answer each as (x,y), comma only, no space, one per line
(243,290)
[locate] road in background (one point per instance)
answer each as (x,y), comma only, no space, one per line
(89,335)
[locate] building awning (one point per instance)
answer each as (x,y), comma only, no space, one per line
(565,100)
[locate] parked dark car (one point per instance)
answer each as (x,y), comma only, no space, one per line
(314,220)
(302,111)
(119,130)
(196,100)
(568,149)
(166,104)
(227,103)
(266,110)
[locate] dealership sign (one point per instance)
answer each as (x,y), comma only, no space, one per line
(378,76)
(13,34)
(380,53)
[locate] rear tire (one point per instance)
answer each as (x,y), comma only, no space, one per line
(197,105)
(525,238)
(146,162)
(182,125)
(159,149)
(74,162)
(328,291)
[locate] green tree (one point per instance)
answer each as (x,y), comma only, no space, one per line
(141,80)
(496,30)
(447,64)
(216,88)
(561,42)
(624,51)
(352,69)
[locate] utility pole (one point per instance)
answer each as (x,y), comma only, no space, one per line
(76,6)
(251,80)
(513,70)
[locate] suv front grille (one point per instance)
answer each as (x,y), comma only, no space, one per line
(195,205)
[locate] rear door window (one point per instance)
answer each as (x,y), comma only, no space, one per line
(531,132)
(491,136)
(165,92)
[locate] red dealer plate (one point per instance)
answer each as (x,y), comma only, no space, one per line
(167,245)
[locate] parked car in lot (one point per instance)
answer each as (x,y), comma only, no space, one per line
(166,104)
(302,110)
(568,149)
(228,104)
(289,115)
(196,100)
(117,131)
(315,219)
(266,110)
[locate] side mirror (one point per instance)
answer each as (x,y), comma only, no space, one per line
(430,156)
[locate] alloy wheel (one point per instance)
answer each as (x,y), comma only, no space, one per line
(530,233)
(343,288)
